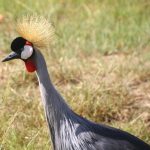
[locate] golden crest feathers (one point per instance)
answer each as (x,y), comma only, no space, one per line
(36,29)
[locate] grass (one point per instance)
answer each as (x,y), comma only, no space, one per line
(99,63)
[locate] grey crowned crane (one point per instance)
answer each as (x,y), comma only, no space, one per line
(68,130)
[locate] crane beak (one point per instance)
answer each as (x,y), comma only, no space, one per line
(11,56)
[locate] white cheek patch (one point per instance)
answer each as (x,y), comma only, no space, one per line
(27,52)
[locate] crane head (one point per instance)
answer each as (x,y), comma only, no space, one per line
(36,32)
(24,50)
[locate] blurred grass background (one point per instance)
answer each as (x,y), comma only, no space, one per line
(99,62)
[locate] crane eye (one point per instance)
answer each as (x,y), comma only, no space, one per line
(27,52)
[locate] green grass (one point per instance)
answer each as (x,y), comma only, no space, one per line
(99,63)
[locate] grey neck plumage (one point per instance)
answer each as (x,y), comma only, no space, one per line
(50,96)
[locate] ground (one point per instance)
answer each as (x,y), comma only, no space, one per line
(99,61)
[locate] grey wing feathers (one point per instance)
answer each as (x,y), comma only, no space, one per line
(102,137)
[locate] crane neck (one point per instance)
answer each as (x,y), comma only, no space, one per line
(54,105)
(50,95)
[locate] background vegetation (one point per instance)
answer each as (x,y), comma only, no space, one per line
(100,63)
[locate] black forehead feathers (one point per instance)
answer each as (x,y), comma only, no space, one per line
(18,43)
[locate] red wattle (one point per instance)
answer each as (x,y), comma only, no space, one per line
(30,65)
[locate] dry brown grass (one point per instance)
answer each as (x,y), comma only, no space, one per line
(111,89)
(100,64)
